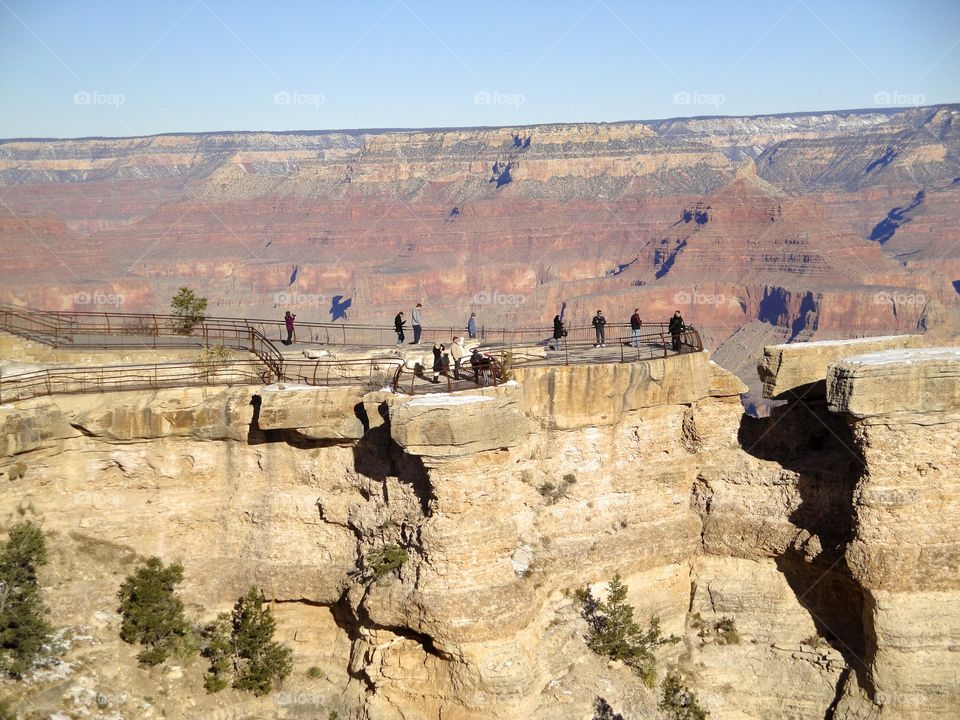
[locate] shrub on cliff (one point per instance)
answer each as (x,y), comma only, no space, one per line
(152,612)
(24,629)
(242,650)
(188,310)
(678,702)
(615,634)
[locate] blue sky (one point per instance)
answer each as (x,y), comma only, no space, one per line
(72,69)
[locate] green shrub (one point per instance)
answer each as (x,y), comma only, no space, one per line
(724,629)
(6,710)
(188,310)
(678,702)
(615,634)
(315,673)
(553,493)
(24,630)
(152,613)
(383,561)
(241,648)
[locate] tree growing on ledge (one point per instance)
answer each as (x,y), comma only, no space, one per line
(24,629)
(615,634)
(679,702)
(241,645)
(188,310)
(152,612)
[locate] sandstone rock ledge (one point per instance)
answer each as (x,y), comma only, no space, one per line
(791,369)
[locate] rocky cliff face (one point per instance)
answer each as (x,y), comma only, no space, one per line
(795,527)
(829,224)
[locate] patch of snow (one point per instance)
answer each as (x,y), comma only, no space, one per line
(832,343)
(281,387)
(447,400)
(910,356)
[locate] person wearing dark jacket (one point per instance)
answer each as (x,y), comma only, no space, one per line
(288,321)
(558,332)
(437,361)
(398,323)
(635,324)
(599,326)
(676,329)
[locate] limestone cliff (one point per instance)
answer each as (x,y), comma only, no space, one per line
(795,527)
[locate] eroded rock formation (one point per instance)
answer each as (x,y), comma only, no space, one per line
(822,532)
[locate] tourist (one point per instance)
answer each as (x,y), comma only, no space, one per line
(288,321)
(437,360)
(417,318)
(635,324)
(559,332)
(472,326)
(676,328)
(475,364)
(458,352)
(398,323)
(599,326)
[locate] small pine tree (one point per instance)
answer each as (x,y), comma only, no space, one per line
(602,710)
(152,613)
(218,647)
(679,702)
(188,310)
(615,634)
(242,643)
(24,629)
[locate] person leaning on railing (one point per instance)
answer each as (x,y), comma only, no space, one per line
(676,328)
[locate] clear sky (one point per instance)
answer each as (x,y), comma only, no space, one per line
(134,67)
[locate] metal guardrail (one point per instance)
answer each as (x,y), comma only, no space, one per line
(156,376)
(107,330)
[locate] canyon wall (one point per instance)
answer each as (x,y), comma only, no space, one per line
(834,560)
(818,225)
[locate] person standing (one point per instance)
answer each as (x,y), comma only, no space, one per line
(398,323)
(558,332)
(635,324)
(288,321)
(676,328)
(472,326)
(458,352)
(417,320)
(437,361)
(599,326)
